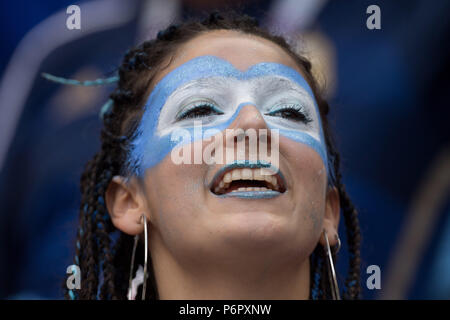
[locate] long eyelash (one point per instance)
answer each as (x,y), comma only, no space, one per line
(184,113)
(292,106)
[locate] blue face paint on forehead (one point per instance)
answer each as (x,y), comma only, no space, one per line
(150,146)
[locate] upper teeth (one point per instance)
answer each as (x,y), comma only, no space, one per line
(260,174)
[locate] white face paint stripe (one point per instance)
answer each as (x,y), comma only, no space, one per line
(212,78)
(225,94)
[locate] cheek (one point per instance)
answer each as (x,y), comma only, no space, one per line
(175,194)
(308,182)
(171,187)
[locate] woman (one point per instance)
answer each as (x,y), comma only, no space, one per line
(214,229)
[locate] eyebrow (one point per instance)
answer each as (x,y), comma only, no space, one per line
(206,83)
(275,83)
(272,84)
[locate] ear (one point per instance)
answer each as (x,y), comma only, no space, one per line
(331,218)
(125,204)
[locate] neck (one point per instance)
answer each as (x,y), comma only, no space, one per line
(253,279)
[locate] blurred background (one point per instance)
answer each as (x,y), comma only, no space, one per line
(389,92)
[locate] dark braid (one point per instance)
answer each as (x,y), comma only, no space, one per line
(353,237)
(96,254)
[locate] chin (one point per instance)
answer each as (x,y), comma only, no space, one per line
(256,229)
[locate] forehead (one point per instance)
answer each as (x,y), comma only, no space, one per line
(239,49)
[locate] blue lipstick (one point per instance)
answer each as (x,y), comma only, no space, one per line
(252,194)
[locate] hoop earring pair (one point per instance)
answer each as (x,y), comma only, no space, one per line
(141,276)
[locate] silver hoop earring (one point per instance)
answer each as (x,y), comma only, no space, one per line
(140,278)
(331,272)
(338,246)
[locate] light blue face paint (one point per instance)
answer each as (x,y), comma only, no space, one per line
(153,141)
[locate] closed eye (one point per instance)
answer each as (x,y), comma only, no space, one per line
(198,110)
(292,112)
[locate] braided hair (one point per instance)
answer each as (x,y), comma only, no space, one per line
(103,253)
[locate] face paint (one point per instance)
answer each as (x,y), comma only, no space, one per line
(281,95)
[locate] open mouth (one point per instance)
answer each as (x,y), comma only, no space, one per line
(247,178)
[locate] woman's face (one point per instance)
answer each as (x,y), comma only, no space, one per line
(198,211)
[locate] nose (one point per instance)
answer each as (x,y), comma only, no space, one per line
(249,117)
(250,125)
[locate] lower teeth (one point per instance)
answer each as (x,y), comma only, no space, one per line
(251,189)
(219,190)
